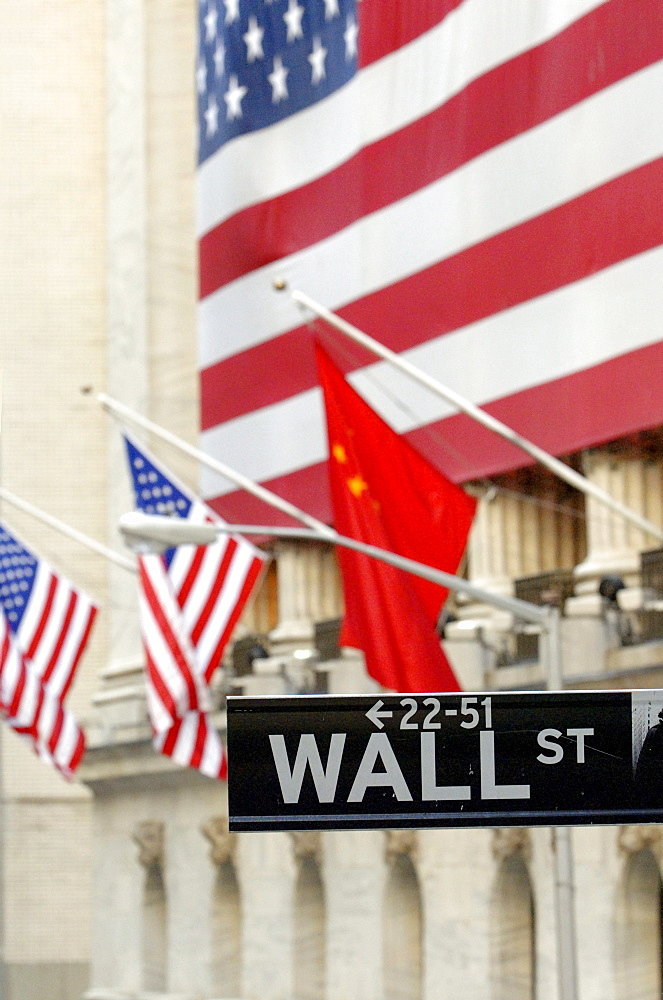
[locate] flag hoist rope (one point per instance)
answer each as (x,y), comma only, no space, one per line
(561,470)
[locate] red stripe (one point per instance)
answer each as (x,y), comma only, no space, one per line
(64,629)
(199,746)
(45,615)
(169,636)
(159,686)
(592,232)
(170,741)
(191,575)
(54,735)
(602,403)
(212,597)
(79,751)
(255,569)
(608,44)
(387,25)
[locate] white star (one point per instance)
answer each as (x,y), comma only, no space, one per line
(331,9)
(317,61)
(212,116)
(293,19)
(210,23)
(350,36)
(277,79)
(233,97)
(201,76)
(232,10)
(253,40)
(219,59)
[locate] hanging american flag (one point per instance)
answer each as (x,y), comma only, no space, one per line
(50,618)
(190,601)
(45,624)
(211,583)
(475,184)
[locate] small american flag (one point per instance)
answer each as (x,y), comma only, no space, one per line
(191,600)
(44,627)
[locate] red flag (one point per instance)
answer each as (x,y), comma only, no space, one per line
(385,493)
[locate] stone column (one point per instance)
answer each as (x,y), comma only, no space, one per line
(308,591)
(613,543)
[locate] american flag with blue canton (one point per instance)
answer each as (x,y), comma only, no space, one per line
(190,602)
(44,628)
(475,184)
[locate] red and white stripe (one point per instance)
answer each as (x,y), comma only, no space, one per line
(484,198)
(194,742)
(212,584)
(55,628)
(32,708)
(177,693)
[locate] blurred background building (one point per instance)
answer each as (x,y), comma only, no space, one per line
(125,882)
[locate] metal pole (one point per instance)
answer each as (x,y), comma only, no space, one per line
(67,530)
(465,406)
(240,480)
(168,532)
(562,847)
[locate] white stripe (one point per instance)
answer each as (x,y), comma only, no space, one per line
(516,181)
(615,311)
(212,758)
(204,583)
(232,587)
(54,626)
(160,651)
(384,97)
(33,613)
(67,741)
(75,633)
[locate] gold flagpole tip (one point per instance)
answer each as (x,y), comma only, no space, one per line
(280,284)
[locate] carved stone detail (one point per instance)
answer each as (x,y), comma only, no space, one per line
(223,842)
(149,835)
(510,841)
(307,844)
(632,839)
(400,842)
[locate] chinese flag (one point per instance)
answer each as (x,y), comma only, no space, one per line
(385,493)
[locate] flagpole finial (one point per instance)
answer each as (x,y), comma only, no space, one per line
(280,284)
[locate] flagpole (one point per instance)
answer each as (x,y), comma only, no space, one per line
(66,529)
(561,470)
(261,492)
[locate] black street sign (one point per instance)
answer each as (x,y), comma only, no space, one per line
(311,762)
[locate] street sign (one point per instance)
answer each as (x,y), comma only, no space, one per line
(447,760)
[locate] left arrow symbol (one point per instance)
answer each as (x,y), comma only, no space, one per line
(375,715)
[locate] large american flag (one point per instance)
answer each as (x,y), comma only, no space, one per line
(45,623)
(476,184)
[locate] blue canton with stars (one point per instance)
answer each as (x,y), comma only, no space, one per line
(260,61)
(155,494)
(18,568)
